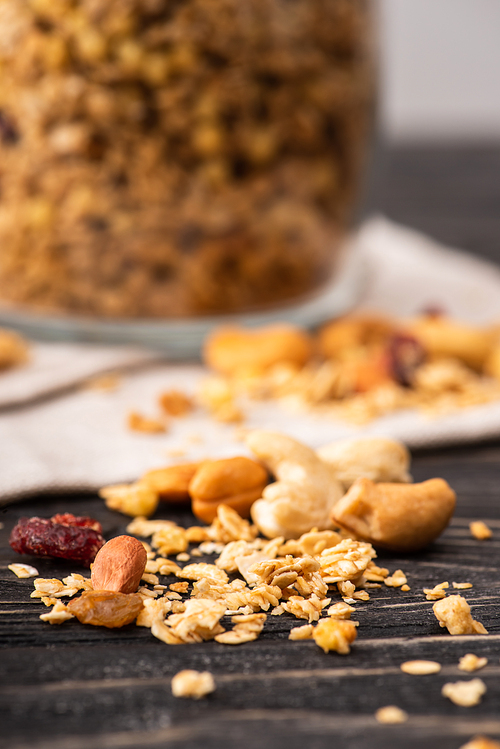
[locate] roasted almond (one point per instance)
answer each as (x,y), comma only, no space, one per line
(119,565)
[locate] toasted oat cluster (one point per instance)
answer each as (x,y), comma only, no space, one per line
(165,159)
(276,577)
(480,530)
(391,714)
(464,693)
(471,662)
(193,684)
(454,613)
(357,368)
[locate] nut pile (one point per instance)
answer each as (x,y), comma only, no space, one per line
(326,489)
(357,368)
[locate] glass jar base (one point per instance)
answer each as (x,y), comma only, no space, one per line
(182,339)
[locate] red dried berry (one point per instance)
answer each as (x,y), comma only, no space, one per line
(404,354)
(45,538)
(80,521)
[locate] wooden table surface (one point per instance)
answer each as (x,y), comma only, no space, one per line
(75,686)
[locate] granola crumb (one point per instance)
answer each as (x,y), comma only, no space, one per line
(405,588)
(150,578)
(396,580)
(420,668)
(464,693)
(175,403)
(437,592)
(480,530)
(183,557)
(391,714)
(23,570)
(192,684)
(57,615)
(462,586)
(454,614)
(335,634)
(340,611)
(471,662)
(179,587)
(301,633)
(247,627)
(139,423)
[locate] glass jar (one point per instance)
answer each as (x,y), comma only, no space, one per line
(177,158)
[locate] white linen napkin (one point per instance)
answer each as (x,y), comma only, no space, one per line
(78,439)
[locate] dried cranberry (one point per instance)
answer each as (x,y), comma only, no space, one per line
(405,354)
(45,538)
(66,518)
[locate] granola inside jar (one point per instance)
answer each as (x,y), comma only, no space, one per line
(177,158)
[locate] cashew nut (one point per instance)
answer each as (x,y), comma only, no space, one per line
(441,336)
(232,349)
(402,517)
(375,458)
(305,491)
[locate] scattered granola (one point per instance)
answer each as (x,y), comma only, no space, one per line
(465,693)
(405,588)
(454,614)
(420,668)
(437,592)
(179,587)
(391,714)
(301,633)
(340,611)
(396,580)
(58,615)
(334,634)
(480,530)
(132,499)
(462,586)
(175,403)
(471,662)
(171,540)
(139,423)
(306,608)
(193,684)
(246,629)
(23,570)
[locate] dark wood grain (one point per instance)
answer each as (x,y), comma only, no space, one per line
(75,686)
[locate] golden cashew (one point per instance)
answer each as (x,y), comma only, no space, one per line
(375,458)
(230,350)
(443,337)
(354,331)
(236,482)
(305,491)
(171,484)
(402,517)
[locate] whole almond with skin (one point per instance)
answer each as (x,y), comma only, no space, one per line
(119,565)
(237,482)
